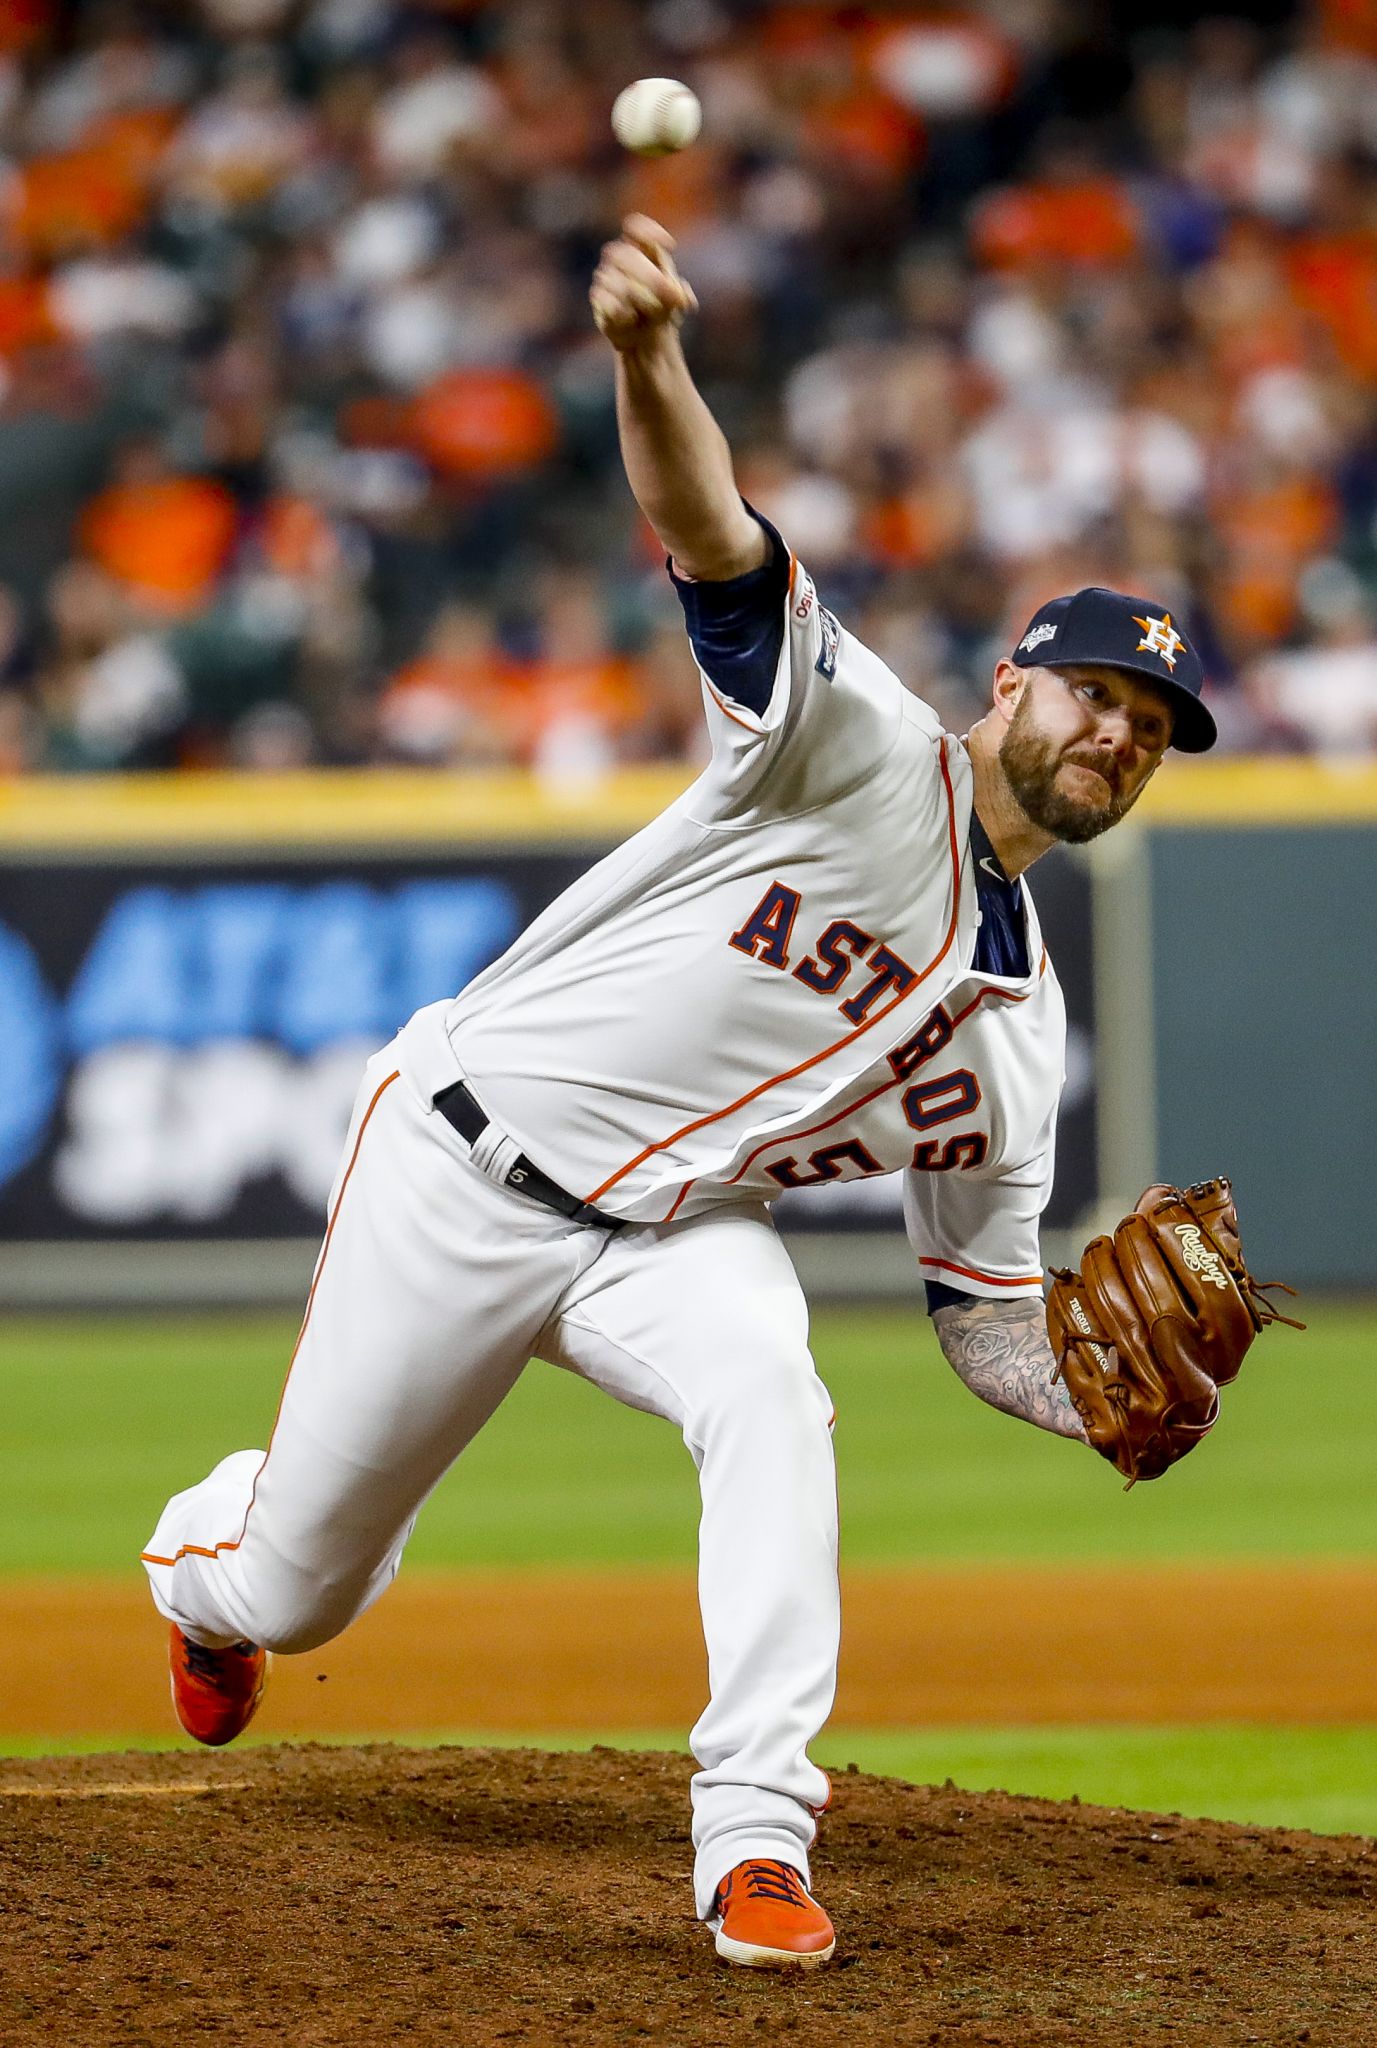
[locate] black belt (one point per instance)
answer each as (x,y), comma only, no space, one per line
(458,1107)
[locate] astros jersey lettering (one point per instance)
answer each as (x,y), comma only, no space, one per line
(772,986)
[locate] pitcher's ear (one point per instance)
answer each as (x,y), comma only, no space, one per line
(1010,682)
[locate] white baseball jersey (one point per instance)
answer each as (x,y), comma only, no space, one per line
(772,986)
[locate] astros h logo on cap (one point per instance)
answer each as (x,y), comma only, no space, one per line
(1161,638)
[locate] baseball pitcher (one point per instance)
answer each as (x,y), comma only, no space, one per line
(820,963)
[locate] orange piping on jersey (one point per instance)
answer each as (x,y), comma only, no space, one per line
(840,1115)
(762,1087)
(989,1279)
(720,701)
(197,1549)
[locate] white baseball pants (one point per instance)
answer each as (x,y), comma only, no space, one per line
(433,1287)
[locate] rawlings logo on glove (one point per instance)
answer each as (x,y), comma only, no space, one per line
(1156,1321)
(1199,1257)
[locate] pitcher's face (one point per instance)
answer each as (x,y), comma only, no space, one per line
(1081,747)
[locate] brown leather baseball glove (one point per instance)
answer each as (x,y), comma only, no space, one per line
(1156,1321)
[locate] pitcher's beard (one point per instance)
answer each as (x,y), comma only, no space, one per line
(1030,761)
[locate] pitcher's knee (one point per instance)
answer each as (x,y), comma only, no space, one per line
(289,1635)
(299,1613)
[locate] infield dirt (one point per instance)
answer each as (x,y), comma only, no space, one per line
(330,1897)
(604,1650)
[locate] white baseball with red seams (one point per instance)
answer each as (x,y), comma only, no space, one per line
(770,986)
(656,116)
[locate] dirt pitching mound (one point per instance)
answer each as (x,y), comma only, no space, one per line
(316,1896)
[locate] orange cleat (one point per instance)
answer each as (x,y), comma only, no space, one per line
(768,1919)
(215,1692)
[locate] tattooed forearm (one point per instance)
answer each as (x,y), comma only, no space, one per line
(1000,1349)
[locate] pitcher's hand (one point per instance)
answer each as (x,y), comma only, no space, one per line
(636,290)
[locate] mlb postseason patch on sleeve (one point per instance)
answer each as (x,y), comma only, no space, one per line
(826,663)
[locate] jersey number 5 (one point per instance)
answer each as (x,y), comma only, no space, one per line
(926,1104)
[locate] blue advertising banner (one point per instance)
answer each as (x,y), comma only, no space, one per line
(182,1040)
(181,1052)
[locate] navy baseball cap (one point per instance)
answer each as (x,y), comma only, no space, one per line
(1107,629)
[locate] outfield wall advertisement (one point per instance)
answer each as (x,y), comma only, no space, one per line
(183,1037)
(184,1052)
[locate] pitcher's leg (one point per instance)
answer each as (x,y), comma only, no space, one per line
(427,1296)
(767,1577)
(704,1322)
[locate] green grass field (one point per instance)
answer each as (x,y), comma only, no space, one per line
(1323,1779)
(105,1417)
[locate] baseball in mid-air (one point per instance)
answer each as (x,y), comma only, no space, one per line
(656,116)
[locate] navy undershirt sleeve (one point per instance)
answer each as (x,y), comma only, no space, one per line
(942,1296)
(736,628)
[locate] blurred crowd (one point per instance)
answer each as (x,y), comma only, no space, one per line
(307,443)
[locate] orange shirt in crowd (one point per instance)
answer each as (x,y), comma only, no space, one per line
(133,140)
(166,539)
(484,423)
(445,705)
(65,202)
(505,708)
(866,133)
(1334,277)
(1091,223)
(1269,531)
(26,318)
(605,691)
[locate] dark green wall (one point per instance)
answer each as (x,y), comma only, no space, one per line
(1265,994)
